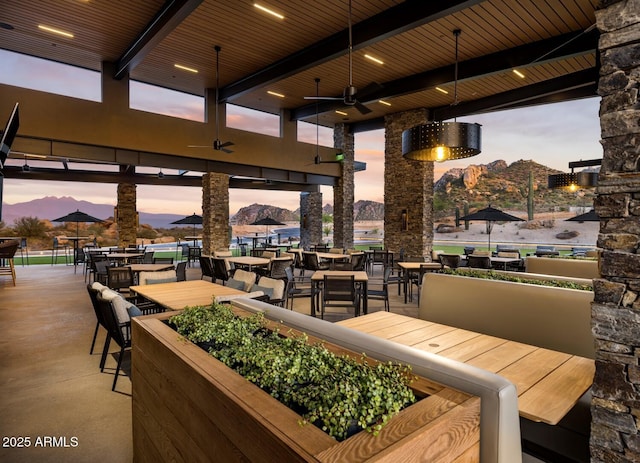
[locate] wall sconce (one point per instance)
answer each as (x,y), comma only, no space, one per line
(404,220)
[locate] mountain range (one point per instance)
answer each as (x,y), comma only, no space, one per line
(502,185)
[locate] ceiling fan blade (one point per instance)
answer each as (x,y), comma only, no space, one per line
(198,146)
(226,143)
(362,108)
(228,151)
(332,98)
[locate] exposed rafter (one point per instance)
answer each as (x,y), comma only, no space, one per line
(173,12)
(395,20)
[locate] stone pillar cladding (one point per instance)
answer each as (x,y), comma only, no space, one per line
(408,186)
(615,406)
(127,216)
(216,235)
(310,219)
(343,192)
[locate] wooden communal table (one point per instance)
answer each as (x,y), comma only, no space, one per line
(178,295)
(318,278)
(409,267)
(249,262)
(549,383)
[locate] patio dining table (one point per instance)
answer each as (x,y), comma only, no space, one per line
(412,267)
(248,261)
(549,383)
(332,257)
(178,295)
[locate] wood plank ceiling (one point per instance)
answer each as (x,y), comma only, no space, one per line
(544,39)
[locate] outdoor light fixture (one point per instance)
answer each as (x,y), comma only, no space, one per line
(443,141)
(574,181)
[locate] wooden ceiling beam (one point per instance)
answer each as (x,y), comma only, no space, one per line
(563,46)
(172,13)
(395,20)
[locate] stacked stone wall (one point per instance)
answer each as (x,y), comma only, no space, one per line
(216,230)
(616,307)
(408,186)
(127,216)
(343,192)
(310,219)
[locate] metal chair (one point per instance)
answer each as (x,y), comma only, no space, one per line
(479,261)
(340,291)
(278,266)
(380,293)
(194,254)
(181,271)
(119,278)
(295,289)
(55,250)
(163,260)
(450,260)
(220,271)
(206,267)
(120,332)
(23,250)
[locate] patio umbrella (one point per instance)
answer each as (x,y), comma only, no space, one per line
(192,219)
(268,221)
(590,216)
(77,217)
(491,215)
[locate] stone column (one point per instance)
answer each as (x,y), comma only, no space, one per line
(127,221)
(615,312)
(343,192)
(408,191)
(216,231)
(310,219)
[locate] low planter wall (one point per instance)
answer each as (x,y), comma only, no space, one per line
(187,406)
(575,268)
(553,318)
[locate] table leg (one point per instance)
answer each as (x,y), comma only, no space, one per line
(314,288)
(365,302)
(406,284)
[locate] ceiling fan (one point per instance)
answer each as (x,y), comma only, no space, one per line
(350,93)
(217,144)
(318,159)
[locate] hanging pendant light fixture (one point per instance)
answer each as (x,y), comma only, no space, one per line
(573,181)
(443,141)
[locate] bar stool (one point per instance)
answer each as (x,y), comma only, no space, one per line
(23,250)
(56,249)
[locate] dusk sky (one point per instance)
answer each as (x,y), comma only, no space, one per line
(553,135)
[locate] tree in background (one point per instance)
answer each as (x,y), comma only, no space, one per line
(30,227)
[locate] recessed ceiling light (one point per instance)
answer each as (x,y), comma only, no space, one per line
(374,59)
(269,11)
(342,113)
(386,103)
(271,92)
(442,90)
(185,68)
(518,73)
(55,31)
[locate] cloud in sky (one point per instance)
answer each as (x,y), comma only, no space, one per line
(552,134)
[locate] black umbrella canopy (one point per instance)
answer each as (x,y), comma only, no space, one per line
(77,217)
(193,219)
(268,221)
(590,216)
(491,215)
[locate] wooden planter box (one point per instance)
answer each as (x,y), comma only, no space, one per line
(187,406)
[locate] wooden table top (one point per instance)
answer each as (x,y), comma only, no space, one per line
(149,267)
(178,295)
(418,265)
(549,383)
(332,255)
(124,255)
(249,260)
(357,275)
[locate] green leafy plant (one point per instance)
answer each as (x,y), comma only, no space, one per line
(337,393)
(491,275)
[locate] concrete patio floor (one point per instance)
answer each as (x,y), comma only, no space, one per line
(52,390)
